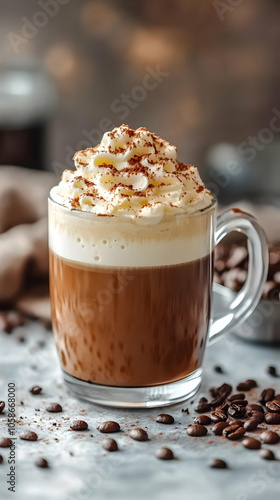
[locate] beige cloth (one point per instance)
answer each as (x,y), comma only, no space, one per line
(23,229)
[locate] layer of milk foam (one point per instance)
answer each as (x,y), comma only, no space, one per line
(92,240)
(131,173)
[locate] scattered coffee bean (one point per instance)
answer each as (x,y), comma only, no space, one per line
(224,407)
(54,408)
(202,420)
(237,396)
(2,406)
(79,425)
(218,369)
(258,415)
(36,389)
(255,407)
(251,443)
(267,454)
(164,454)
(246,386)
(234,432)
(267,395)
(273,406)
(234,421)
(251,424)
(202,407)
(5,325)
(272,370)
(1,459)
(272,418)
(28,436)
(236,410)
(42,462)
(252,382)
(164,418)
(220,394)
(109,444)
(138,434)
(203,400)
(269,437)
(219,427)
(218,416)
(217,463)
(5,442)
(196,430)
(108,427)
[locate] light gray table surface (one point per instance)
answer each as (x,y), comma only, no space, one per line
(81,469)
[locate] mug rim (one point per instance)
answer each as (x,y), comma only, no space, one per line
(127,218)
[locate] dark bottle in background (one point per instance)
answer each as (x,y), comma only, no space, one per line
(27,103)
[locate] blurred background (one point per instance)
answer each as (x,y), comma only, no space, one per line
(204,75)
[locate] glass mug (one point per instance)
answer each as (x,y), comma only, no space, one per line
(131,300)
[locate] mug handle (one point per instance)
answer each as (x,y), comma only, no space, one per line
(246,300)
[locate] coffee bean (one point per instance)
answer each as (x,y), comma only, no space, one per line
(277,396)
(218,416)
(108,427)
(220,395)
(236,411)
(203,400)
(138,434)
(255,407)
(164,418)
(269,437)
(267,395)
(272,370)
(28,436)
(234,432)
(5,442)
(251,424)
(79,425)
(252,382)
(164,454)
(272,418)
(246,386)
(202,407)
(251,443)
(237,396)
(109,444)
(2,406)
(1,459)
(202,420)
(217,463)
(273,406)
(36,389)
(234,421)
(218,369)
(258,415)
(240,402)
(219,427)
(42,462)
(196,430)
(5,325)
(224,407)
(267,454)
(54,408)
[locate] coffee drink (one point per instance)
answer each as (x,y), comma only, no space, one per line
(130,234)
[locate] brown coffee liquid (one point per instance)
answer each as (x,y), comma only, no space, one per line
(130,326)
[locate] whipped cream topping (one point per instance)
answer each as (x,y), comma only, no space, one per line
(131,173)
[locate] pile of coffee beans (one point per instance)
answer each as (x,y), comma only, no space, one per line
(231,265)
